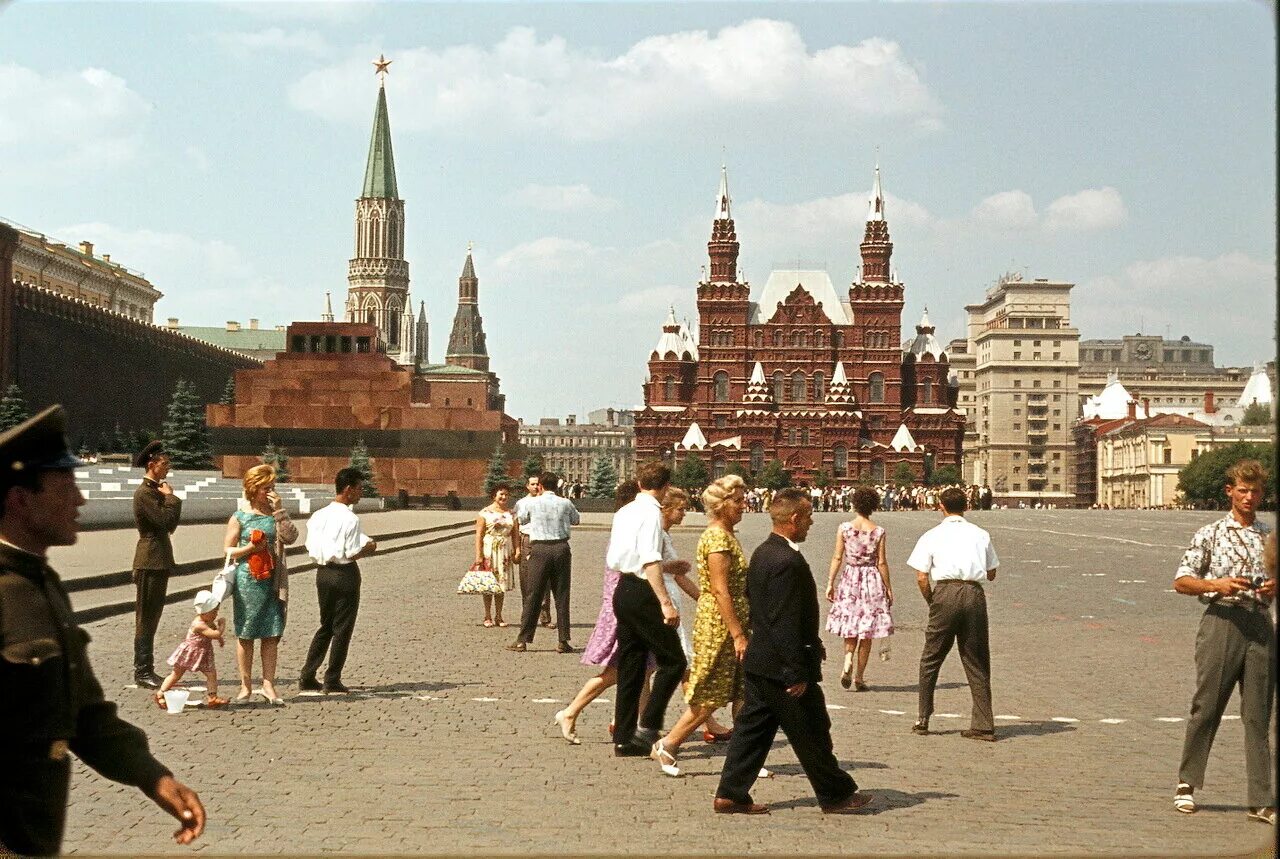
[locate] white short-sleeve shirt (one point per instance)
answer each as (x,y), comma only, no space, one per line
(635,540)
(956,549)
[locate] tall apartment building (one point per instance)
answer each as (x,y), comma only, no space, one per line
(963,367)
(1026,362)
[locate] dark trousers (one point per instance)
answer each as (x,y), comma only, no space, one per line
(807,726)
(641,631)
(549,568)
(1233,647)
(338,589)
(526,586)
(958,613)
(150,589)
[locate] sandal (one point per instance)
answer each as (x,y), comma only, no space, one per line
(665,759)
(500,622)
(567,726)
(159,699)
(1262,815)
(1183,800)
(488,623)
(860,686)
(213,702)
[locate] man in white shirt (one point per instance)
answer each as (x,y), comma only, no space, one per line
(335,542)
(951,561)
(548,519)
(533,488)
(647,616)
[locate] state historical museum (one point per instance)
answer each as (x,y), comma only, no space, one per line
(822,382)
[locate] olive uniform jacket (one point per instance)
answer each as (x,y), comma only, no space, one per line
(56,704)
(157,517)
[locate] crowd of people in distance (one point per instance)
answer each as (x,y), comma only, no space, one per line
(889,497)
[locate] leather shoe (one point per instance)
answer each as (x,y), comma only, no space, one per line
(565,647)
(727,806)
(985,736)
(334,689)
(855,803)
(631,750)
(147,681)
(309,684)
(517,647)
(921,727)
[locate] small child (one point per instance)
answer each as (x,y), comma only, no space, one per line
(195,653)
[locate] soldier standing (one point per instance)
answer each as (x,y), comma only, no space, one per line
(45,663)
(156,510)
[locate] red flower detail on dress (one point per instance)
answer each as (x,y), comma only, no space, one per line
(261,562)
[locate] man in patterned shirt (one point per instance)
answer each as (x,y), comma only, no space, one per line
(1223,567)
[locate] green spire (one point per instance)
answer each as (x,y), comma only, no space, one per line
(380,173)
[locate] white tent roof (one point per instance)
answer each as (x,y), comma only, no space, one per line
(903,440)
(1257,389)
(817,283)
(1112,404)
(693,438)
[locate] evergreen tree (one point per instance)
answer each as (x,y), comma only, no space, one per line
(360,461)
(497,471)
(533,465)
(229,392)
(123,442)
(604,477)
(904,474)
(691,474)
(1255,415)
(276,458)
(774,475)
(186,437)
(13,408)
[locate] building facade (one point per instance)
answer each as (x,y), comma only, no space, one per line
(78,273)
(571,449)
(1025,390)
(250,339)
(814,378)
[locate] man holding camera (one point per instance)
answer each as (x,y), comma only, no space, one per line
(1224,569)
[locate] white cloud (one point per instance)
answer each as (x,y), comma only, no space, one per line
(273,40)
(70,122)
(526,84)
(647,301)
(198,157)
(549,255)
(1007,210)
(1091,209)
(561,198)
(321,11)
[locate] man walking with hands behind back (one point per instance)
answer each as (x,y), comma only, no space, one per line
(548,519)
(951,561)
(156,511)
(781,671)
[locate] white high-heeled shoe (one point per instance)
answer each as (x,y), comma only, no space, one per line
(567,729)
(665,759)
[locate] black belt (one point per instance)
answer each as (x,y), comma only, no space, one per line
(334,565)
(549,542)
(956,582)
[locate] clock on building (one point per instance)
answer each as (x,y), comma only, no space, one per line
(1142,351)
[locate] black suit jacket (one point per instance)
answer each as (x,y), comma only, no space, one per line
(785,644)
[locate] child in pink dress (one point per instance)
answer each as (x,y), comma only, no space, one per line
(861,598)
(195,653)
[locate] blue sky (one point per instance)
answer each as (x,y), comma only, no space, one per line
(218,147)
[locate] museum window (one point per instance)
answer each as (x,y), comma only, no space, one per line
(758,339)
(718,467)
(757,457)
(720,421)
(798,387)
(877,471)
(819,387)
(876,384)
(797,338)
(777,337)
(804,435)
(837,339)
(841,457)
(817,339)
(721,392)
(669,388)
(778,385)
(928,391)
(791,435)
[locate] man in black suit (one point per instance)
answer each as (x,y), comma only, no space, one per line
(781,669)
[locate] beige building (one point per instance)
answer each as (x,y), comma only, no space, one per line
(1025,399)
(963,367)
(78,272)
(570,448)
(1139,460)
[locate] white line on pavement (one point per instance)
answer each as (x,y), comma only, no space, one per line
(836,707)
(484,700)
(546,701)
(1168,718)
(948,715)
(894,712)
(1066,719)
(1113,721)
(1009,718)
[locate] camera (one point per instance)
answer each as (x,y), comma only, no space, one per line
(1256,582)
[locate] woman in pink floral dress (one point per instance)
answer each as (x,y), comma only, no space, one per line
(860,598)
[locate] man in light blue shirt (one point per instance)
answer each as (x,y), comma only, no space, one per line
(548,520)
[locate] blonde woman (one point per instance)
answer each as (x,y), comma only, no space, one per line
(720,621)
(256,539)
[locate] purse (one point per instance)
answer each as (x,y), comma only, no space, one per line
(224,582)
(479,579)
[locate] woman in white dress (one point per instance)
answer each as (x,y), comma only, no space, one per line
(498,546)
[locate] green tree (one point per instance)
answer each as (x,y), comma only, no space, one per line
(533,465)
(229,392)
(360,461)
(904,474)
(691,474)
(604,477)
(13,408)
(945,475)
(124,441)
(276,458)
(736,468)
(823,479)
(1255,415)
(1201,481)
(186,437)
(774,475)
(497,472)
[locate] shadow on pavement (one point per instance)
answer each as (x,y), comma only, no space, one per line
(1012,731)
(914,687)
(883,800)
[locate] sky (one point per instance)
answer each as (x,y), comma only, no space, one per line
(1128,148)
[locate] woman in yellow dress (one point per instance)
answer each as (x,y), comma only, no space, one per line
(720,621)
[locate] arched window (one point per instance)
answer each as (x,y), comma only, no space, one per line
(927,394)
(791,435)
(804,435)
(837,340)
(819,387)
(778,385)
(758,339)
(876,394)
(777,337)
(797,338)
(797,387)
(877,471)
(669,388)
(817,339)
(757,457)
(841,454)
(721,382)
(718,467)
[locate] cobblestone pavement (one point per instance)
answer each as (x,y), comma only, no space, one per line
(449,745)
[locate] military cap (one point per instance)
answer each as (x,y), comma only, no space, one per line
(36,444)
(148,453)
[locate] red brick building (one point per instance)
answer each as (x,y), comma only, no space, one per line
(819,380)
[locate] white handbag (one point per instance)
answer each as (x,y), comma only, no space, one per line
(225,581)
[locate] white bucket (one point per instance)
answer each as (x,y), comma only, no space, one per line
(175,700)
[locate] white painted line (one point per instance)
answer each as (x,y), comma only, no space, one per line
(1170,591)
(1032,561)
(835,707)
(1168,718)
(894,712)
(948,715)
(1086,617)
(427,698)
(1113,721)
(1058,567)
(485,700)
(1067,719)
(1231,717)
(546,701)
(1008,718)
(600,701)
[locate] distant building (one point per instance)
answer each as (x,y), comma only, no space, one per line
(963,368)
(1174,375)
(1025,371)
(570,449)
(612,417)
(77,272)
(251,340)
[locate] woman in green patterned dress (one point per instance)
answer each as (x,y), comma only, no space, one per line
(720,621)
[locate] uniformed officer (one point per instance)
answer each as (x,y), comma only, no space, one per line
(156,510)
(54,704)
